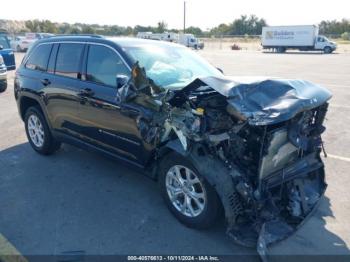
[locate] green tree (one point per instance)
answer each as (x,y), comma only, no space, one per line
(345,36)
(139,28)
(194,30)
(87,29)
(251,25)
(162,27)
(33,25)
(334,27)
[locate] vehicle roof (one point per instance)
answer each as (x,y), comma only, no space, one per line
(129,41)
(120,41)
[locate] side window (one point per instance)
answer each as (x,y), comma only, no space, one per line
(68,60)
(4,42)
(39,58)
(103,64)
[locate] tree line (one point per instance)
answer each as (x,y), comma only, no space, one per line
(244,25)
(251,25)
(336,28)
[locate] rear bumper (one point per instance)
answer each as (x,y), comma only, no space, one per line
(10,67)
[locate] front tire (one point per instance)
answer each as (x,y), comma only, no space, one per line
(38,132)
(187,194)
(327,50)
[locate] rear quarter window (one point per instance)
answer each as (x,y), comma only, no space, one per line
(38,60)
(68,60)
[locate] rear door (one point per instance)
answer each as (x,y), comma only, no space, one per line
(103,121)
(62,85)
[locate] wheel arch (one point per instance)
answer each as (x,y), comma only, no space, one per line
(196,155)
(163,151)
(213,170)
(27,101)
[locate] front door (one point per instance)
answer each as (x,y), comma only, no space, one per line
(102,120)
(320,43)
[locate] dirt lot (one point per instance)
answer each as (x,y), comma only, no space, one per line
(75,201)
(253,44)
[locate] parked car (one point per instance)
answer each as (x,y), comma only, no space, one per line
(22,43)
(6,52)
(38,35)
(250,147)
(3,75)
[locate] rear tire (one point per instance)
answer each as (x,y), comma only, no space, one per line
(280,49)
(3,86)
(38,132)
(199,216)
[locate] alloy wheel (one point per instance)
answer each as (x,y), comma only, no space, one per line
(36,131)
(186,192)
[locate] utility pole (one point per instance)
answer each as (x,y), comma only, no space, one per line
(184,17)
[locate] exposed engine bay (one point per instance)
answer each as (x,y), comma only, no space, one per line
(257,143)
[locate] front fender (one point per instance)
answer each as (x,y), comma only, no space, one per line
(214,171)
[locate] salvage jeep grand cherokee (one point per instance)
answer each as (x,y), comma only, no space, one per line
(248,146)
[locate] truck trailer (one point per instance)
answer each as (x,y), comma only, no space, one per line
(188,40)
(301,37)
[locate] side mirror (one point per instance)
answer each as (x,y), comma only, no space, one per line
(220,70)
(121,80)
(1,47)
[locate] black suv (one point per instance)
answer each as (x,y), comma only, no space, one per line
(250,147)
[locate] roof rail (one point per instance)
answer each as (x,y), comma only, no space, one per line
(79,35)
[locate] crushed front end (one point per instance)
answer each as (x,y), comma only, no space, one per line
(258,143)
(281,181)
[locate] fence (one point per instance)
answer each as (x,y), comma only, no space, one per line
(224,42)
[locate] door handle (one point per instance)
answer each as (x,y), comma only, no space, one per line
(45,82)
(86,92)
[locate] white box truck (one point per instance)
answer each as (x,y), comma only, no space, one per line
(188,40)
(301,37)
(170,37)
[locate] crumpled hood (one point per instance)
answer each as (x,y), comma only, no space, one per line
(264,101)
